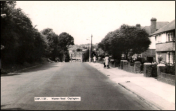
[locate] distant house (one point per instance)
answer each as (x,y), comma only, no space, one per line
(151,29)
(165,43)
(76,53)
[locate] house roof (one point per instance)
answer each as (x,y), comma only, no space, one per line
(168,27)
(158,26)
(147,29)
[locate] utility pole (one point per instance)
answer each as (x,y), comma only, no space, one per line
(90,50)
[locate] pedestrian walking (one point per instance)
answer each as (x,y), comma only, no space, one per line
(107,61)
(94,58)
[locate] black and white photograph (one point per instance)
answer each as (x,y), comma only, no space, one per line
(87,55)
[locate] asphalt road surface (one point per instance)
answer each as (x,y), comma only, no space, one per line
(76,79)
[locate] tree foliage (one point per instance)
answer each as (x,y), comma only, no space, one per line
(124,40)
(23,43)
(58,44)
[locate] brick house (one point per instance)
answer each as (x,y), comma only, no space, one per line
(151,29)
(76,52)
(165,43)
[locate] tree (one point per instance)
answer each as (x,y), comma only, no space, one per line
(124,40)
(58,44)
(53,48)
(101,52)
(142,40)
(65,40)
(105,44)
(21,40)
(86,55)
(133,40)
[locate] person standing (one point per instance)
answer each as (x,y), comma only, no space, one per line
(107,61)
(94,58)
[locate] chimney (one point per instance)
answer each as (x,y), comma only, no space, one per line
(153,25)
(138,26)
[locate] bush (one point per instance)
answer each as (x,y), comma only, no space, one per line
(154,70)
(168,69)
(131,63)
(162,69)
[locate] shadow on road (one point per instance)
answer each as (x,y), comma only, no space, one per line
(2,106)
(41,67)
(32,69)
(10,108)
(13,109)
(13,74)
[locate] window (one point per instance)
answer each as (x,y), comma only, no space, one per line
(159,38)
(173,57)
(170,36)
(174,36)
(170,57)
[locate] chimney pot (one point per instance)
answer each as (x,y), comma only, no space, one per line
(153,19)
(153,25)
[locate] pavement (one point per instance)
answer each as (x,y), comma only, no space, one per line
(149,89)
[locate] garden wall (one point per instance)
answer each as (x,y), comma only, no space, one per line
(165,77)
(130,67)
(150,70)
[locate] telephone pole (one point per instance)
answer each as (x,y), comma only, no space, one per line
(90,50)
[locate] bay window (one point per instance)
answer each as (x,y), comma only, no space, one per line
(170,58)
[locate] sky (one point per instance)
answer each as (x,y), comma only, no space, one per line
(81,19)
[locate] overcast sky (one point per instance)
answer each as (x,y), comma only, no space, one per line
(83,18)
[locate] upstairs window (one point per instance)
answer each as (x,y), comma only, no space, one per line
(170,37)
(158,38)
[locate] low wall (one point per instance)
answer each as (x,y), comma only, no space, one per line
(137,67)
(165,77)
(101,62)
(127,66)
(112,64)
(149,70)
(122,63)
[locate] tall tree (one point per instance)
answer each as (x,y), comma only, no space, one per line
(52,42)
(133,40)
(20,38)
(65,40)
(124,40)
(58,44)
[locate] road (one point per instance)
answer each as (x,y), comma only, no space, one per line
(76,79)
